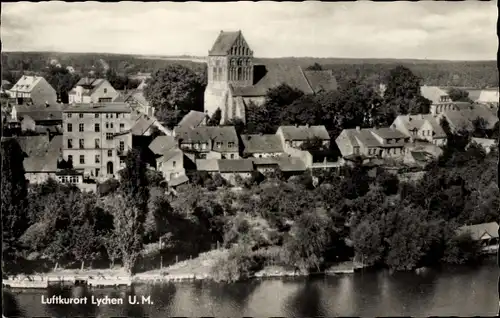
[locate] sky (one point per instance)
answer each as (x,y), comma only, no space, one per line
(363,29)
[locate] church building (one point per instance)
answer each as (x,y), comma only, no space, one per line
(235,79)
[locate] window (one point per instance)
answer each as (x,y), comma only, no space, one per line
(110,153)
(97,142)
(174,164)
(203,156)
(232,156)
(122,162)
(107,125)
(204,145)
(70,143)
(69,115)
(70,158)
(97,128)
(80,128)
(97,171)
(230,144)
(389,141)
(81,143)
(122,146)
(107,115)
(97,159)
(105,90)
(82,159)
(356,150)
(218,144)
(96,115)
(109,136)
(122,126)
(69,128)
(80,115)
(110,125)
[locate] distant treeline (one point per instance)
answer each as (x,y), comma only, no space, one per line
(474,74)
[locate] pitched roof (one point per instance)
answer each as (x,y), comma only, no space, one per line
(26,83)
(106,107)
(40,112)
(488,96)
(388,133)
(88,83)
(321,80)
(288,164)
(363,136)
(275,75)
(262,143)
(304,132)
(141,125)
(161,144)
(178,181)
(412,122)
(432,93)
(224,42)
(192,119)
(236,165)
(478,230)
(207,165)
(464,118)
(484,142)
(222,134)
(41,154)
(169,154)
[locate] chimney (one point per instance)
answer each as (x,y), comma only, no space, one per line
(47,104)
(296,125)
(307,125)
(358,128)
(409,118)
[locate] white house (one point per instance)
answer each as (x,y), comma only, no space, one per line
(92,90)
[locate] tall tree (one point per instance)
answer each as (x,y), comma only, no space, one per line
(176,87)
(315,67)
(403,91)
(215,119)
(459,95)
(61,80)
(14,192)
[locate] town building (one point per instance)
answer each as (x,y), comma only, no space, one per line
(464,119)
(485,233)
(42,157)
(137,100)
(440,100)
(97,137)
(169,159)
(209,142)
(489,97)
(421,127)
(235,79)
(372,142)
(92,90)
(143,125)
(295,136)
(32,117)
(33,91)
(232,170)
(485,143)
(262,145)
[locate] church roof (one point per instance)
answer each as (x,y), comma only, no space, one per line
(321,80)
(224,42)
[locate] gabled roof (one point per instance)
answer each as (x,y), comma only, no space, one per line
(432,93)
(26,83)
(171,153)
(304,132)
(321,80)
(161,144)
(488,96)
(89,83)
(224,134)
(363,136)
(478,230)
(192,119)
(235,165)
(224,42)
(41,154)
(275,75)
(484,142)
(388,133)
(178,181)
(464,118)
(261,143)
(141,126)
(412,122)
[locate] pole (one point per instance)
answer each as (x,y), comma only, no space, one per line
(161,262)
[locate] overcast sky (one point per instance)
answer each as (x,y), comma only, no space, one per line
(432,30)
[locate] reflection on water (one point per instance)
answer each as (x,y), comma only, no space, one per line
(454,291)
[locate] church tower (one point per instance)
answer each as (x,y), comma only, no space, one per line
(229,63)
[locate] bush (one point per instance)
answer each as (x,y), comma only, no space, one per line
(239,264)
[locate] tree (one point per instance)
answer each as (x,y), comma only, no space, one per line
(402,93)
(303,111)
(368,244)
(215,119)
(315,67)
(176,87)
(389,182)
(14,193)
(459,95)
(61,80)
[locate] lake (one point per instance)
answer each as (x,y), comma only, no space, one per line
(456,291)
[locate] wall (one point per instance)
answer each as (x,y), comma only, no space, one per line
(28,124)
(167,167)
(99,92)
(305,156)
(344,145)
(266,154)
(44,92)
(216,91)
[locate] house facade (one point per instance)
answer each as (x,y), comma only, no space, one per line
(440,100)
(169,158)
(235,80)
(137,101)
(97,137)
(262,146)
(209,142)
(92,90)
(372,142)
(33,90)
(295,136)
(421,127)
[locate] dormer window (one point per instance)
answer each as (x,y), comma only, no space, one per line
(230,144)
(218,144)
